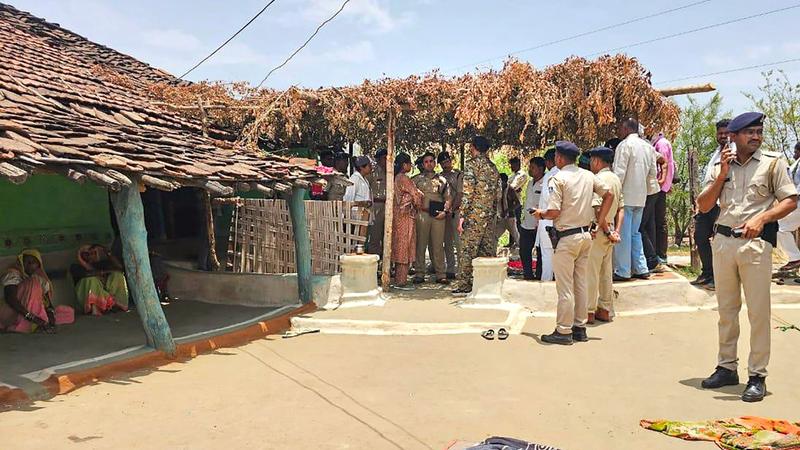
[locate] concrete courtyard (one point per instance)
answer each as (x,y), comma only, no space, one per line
(420,392)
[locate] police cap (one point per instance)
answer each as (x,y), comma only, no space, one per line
(568,149)
(444,156)
(362,161)
(742,121)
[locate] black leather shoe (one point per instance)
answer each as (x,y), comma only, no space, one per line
(579,334)
(557,338)
(618,279)
(451,276)
(756,389)
(702,279)
(642,276)
(721,377)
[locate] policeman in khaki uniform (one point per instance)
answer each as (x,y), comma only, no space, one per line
(570,208)
(430,228)
(601,267)
(748,183)
(452,241)
(337,188)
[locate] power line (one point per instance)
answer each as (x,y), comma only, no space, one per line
(587,33)
(738,69)
(341,8)
(695,30)
(229,39)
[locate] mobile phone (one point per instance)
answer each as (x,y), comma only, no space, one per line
(737,232)
(731,146)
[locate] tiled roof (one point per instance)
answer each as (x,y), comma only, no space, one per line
(60,111)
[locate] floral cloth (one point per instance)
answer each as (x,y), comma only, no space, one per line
(742,433)
(407,200)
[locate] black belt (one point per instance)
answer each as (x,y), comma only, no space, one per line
(571,231)
(768,234)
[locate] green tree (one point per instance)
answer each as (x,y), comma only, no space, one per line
(698,132)
(779,99)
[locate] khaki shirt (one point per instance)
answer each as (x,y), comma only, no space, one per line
(336,189)
(433,186)
(456,181)
(748,189)
(377,183)
(571,193)
(612,181)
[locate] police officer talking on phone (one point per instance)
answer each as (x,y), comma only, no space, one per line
(754,191)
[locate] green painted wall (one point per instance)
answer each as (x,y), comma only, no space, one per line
(51,213)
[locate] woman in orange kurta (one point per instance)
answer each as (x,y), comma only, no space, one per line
(407,200)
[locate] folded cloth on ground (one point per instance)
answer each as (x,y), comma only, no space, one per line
(742,433)
(505,443)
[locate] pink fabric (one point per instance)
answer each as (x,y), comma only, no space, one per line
(32,295)
(407,199)
(664,147)
(64,315)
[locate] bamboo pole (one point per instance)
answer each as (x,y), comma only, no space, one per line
(130,217)
(208,209)
(683,90)
(389,206)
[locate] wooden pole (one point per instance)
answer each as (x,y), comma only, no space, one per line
(389,207)
(130,217)
(692,161)
(211,237)
(302,243)
(350,159)
(683,90)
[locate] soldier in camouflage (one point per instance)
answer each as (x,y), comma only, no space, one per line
(478,209)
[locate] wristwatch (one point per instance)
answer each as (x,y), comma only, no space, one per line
(29,317)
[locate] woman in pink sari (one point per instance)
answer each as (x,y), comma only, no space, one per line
(27,292)
(407,201)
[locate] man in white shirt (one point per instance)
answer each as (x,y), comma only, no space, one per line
(790,223)
(359,192)
(635,165)
(517,182)
(528,226)
(704,222)
(542,238)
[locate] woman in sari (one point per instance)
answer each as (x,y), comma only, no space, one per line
(99,282)
(27,292)
(407,201)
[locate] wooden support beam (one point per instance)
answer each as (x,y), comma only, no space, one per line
(268,192)
(389,207)
(103,179)
(302,243)
(282,187)
(75,176)
(130,217)
(214,187)
(158,183)
(13,173)
(303,184)
(243,187)
(121,178)
(683,90)
(211,238)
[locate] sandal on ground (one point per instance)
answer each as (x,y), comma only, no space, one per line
(502,334)
(488,335)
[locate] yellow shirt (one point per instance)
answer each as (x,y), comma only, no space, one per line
(748,190)
(571,193)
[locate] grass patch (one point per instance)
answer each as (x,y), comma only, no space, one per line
(682,250)
(687,271)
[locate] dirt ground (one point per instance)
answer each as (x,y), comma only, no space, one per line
(360,392)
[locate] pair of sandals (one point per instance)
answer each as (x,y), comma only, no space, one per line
(502,334)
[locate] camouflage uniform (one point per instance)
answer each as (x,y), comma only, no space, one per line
(452,241)
(336,189)
(479,209)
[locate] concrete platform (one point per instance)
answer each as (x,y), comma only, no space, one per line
(28,360)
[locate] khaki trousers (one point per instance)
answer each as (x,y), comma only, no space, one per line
(430,235)
(601,270)
(452,242)
(571,268)
(376,229)
(507,224)
(743,264)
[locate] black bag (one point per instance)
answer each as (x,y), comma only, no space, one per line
(434,208)
(770,233)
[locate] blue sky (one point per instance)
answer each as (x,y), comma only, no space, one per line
(375,38)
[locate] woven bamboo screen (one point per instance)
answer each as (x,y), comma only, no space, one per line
(261,238)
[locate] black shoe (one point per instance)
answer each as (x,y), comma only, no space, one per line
(721,377)
(702,279)
(461,292)
(579,334)
(710,286)
(557,338)
(451,276)
(756,389)
(419,280)
(642,276)
(620,279)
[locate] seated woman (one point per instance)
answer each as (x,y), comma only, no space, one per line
(27,292)
(99,282)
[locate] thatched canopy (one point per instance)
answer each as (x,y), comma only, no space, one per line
(578,99)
